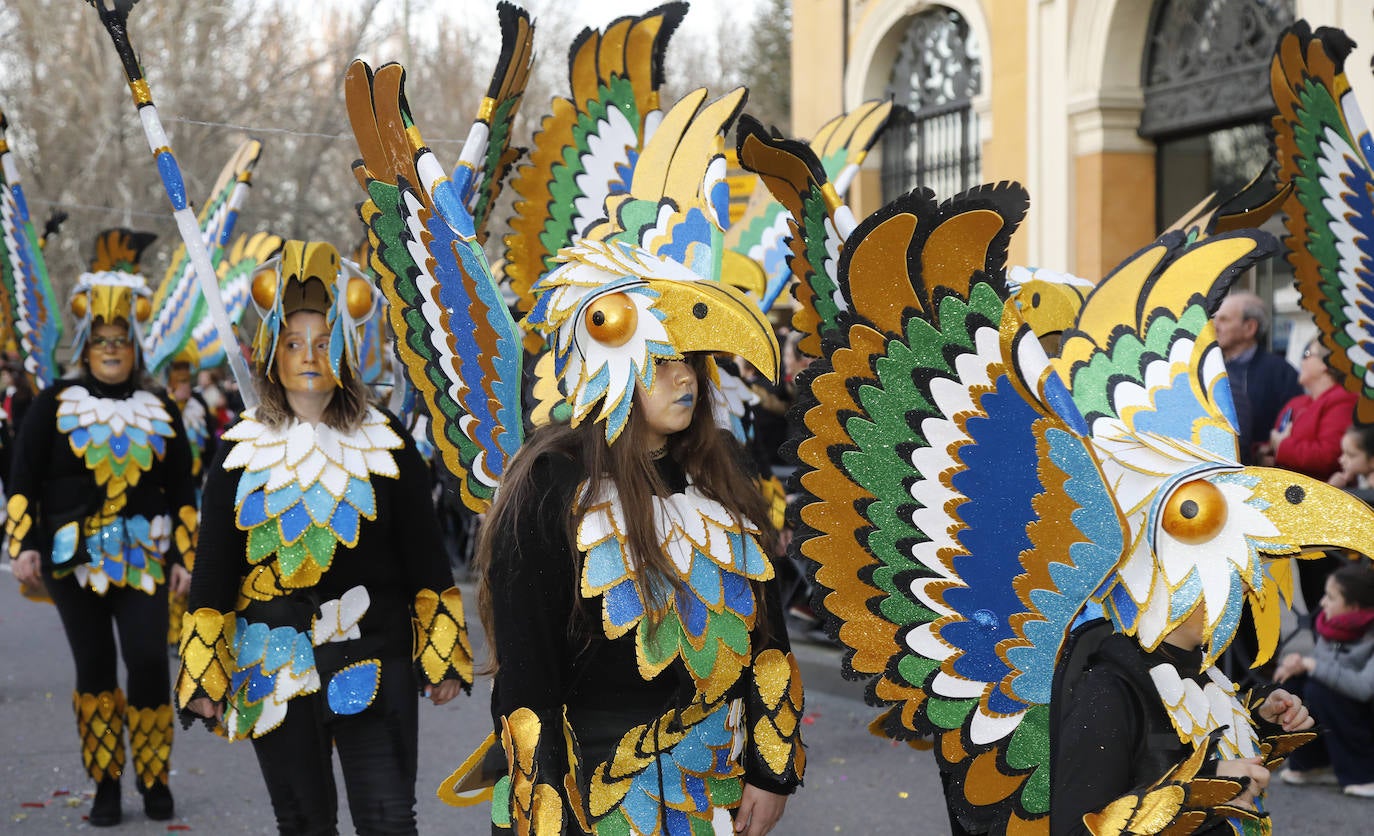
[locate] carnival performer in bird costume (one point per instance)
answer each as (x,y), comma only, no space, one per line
(103,510)
(1037,555)
(643,679)
(321,548)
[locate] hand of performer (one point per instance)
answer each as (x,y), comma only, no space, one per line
(27,569)
(206,707)
(180,582)
(1250,768)
(1286,710)
(444,691)
(759,810)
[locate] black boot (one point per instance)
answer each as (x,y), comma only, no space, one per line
(106,810)
(157,801)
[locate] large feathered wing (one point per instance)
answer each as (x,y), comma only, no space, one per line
(178,304)
(1324,151)
(458,342)
(31,307)
(955,515)
(487,154)
(241,262)
(588,146)
(817,224)
(762,232)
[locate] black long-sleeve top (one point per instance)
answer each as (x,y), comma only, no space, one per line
(1114,736)
(58,487)
(398,553)
(553,651)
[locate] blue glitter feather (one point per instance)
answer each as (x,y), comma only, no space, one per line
(283,498)
(706,581)
(692,613)
(64,543)
(294,523)
(622,603)
(359,494)
(1000,479)
(739,594)
(352,689)
(320,503)
(345,523)
(252,510)
(281,642)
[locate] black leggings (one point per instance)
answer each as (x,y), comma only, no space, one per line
(141,620)
(377,752)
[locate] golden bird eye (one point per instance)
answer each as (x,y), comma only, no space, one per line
(265,289)
(1195,512)
(358,297)
(143,309)
(611,320)
(80,304)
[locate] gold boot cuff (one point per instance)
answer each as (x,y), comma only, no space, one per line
(100,723)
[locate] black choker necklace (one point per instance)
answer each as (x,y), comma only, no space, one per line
(658,452)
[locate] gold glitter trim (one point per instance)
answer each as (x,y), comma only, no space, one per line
(441,637)
(206,655)
(777,733)
(18,524)
(100,724)
(185,535)
(150,742)
(536,807)
(1178,804)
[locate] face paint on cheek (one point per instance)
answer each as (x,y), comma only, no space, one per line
(309,355)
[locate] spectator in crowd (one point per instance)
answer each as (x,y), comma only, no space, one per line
(1307,439)
(1357,459)
(1261,381)
(1336,682)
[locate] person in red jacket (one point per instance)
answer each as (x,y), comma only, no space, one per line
(1307,434)
(1307,439)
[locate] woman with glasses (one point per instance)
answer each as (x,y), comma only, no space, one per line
(1307,439)
(102,517)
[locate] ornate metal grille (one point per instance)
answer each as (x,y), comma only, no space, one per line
(933,138)
(1207,63)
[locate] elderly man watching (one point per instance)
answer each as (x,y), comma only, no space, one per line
(1261,381)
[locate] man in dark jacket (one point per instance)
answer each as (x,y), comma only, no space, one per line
(1261,381)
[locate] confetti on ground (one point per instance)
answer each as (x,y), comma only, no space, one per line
(36,804)
(172,827)
(809,720)
(903,794)
(56,793)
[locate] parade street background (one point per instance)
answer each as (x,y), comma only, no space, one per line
(855,782)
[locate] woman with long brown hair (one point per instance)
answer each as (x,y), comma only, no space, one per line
(321,550)
(643,679)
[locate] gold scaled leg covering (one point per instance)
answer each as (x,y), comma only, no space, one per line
(100,723)
(150,742)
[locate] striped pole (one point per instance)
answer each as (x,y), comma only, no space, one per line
(114,14)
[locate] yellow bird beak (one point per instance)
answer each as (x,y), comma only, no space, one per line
(1311,516)
(706,316)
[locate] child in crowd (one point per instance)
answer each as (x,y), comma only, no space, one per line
(1336,683)
(1357,459)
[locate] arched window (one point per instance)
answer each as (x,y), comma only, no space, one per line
(1207,107)
(933,138)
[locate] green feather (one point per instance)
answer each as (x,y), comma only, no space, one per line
(563,187)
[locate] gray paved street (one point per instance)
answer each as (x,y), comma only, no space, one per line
(856,783)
